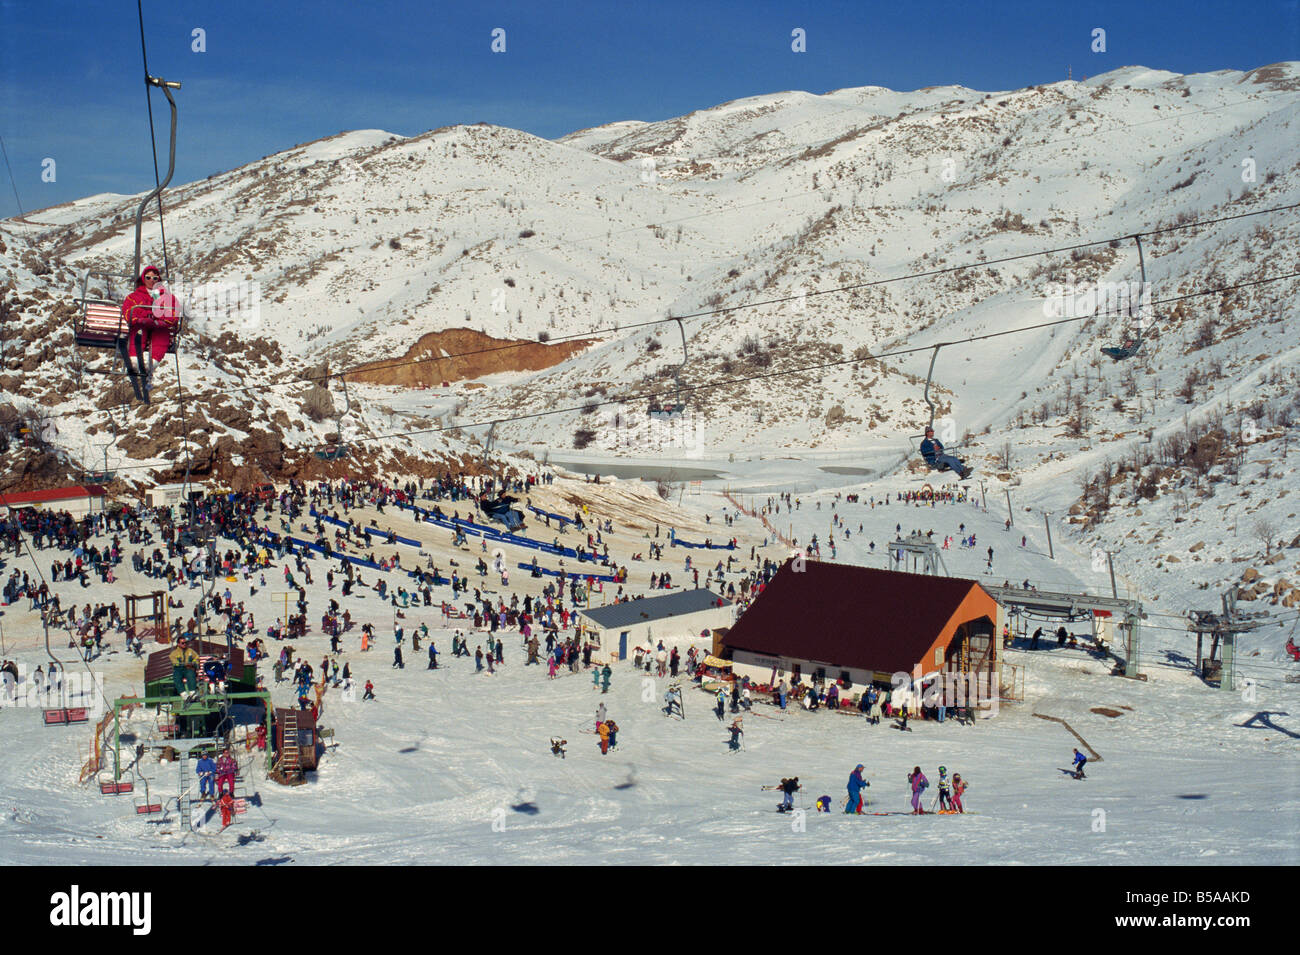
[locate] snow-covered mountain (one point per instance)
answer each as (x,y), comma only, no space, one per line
(369,248)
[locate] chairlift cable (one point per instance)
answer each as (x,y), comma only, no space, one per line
(806,369)
(802,370)
(148,96)
(12,183)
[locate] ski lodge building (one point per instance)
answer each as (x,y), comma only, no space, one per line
(78,500)
(675,618)
(860,625)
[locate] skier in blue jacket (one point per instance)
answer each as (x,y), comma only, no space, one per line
(1079,762)
(856,785)
(207,770)
(932,451)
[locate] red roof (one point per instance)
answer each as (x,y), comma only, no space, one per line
(74,493)
(851,616)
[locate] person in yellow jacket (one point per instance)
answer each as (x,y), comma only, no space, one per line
(603,730)
(185,664)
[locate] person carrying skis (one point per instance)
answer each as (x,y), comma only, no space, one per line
(788,788)
(1079,762)
(672,703)
(856,785)
(958,787)
(945,791)
(919,784)
(736,733)
(932,452)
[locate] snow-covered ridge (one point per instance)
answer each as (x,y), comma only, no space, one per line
(360,243)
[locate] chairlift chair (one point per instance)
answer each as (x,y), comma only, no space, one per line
(100,322)
(1132,342)
(674,408)
(915,440)
(335,447)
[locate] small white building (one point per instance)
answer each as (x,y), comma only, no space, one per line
(165,495)
(676,618)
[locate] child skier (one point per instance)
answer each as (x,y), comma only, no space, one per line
(945,791)
(557,746)
(736,733)
(958,787)
(227,806)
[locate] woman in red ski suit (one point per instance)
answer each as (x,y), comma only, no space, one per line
(155,322)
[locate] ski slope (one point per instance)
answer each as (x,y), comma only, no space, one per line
(453,766)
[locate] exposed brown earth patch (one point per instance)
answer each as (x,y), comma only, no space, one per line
(490,355)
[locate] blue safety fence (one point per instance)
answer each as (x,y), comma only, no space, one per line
(492,534)
(678,542)
(373,532)
(577,575)
(554,517)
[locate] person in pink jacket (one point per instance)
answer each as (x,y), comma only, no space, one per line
(150,323)
(919,783)
(226,769)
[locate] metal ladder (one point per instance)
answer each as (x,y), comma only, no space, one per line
(290,757)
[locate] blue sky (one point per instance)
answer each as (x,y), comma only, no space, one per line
(275,74)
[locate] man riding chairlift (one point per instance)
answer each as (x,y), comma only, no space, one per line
(932,452)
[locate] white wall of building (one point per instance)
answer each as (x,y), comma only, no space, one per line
(165,495)
(680,631)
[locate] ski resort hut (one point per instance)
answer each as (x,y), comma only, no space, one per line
(676,617)
(79,500)
(295,740)
(860,625)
